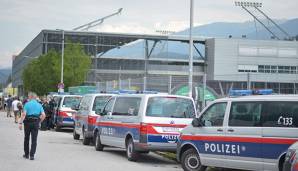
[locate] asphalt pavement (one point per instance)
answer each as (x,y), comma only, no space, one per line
(60,152)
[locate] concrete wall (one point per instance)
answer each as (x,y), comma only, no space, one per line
(225,56)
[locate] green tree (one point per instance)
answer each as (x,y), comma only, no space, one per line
(43,74)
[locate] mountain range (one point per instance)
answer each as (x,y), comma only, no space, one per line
(4,74)
(251,29)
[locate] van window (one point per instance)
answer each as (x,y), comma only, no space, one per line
(280,114)
(173,107)
(108,106)
(71,101)
(83,103)
(128,106)
(99,102)
(214,115)
(245,114)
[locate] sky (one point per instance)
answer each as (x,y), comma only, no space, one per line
(22,20)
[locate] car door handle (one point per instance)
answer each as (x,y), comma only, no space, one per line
(219,130)
(230,130)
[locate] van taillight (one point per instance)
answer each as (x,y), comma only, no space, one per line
(63,114)
(92,120)
(143,128)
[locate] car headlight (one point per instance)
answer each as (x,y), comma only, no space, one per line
(291,154)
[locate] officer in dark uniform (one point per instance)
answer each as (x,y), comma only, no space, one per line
(32,115)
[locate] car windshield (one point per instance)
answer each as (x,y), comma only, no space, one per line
(100,102)
(71,101)
(173,107)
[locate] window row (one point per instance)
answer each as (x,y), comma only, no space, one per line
(268,69)
(253,114)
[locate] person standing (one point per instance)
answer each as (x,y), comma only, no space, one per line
(45,125)
(9,105)
(15,109)
(32,115)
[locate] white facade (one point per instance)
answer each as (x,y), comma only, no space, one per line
(253,60)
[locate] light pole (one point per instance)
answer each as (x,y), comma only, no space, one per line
(190,50)
(61,84)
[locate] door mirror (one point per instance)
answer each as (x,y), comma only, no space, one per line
(75,107)
(196,122)
(98,111)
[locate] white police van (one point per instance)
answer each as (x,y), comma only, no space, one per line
(143,122)
(251,133)
(87,112)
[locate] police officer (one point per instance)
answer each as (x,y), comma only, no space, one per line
(32,115)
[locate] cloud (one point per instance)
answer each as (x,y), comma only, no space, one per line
(7,56)
(138,16)
(173,26)
(127,28)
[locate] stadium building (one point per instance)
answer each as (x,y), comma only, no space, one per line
(160,62)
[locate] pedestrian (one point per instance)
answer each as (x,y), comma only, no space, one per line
(32,115)
(16,102)
(45,125)
(52,104)
(9,106)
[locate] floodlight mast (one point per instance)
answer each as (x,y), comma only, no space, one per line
(97,22)
(245,5)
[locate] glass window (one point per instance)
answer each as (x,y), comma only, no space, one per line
(99,102)
(214,115)
(245,114)
(173,107)
(281,69)
(287,69)
(261,68)
(108,106)
(293,69)
(267,68)
(273,69)
(280,114)
(71,101)
(84,103)
(127,106)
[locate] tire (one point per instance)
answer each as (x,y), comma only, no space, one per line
(98,146)
(144,152)
(75,135)
(131,153)
(86,141)
(190,161)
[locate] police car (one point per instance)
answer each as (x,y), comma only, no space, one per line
(141,123)
(63,111)
(291,161)
(250,133)
(85,118)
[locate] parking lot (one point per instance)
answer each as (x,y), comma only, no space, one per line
(58,151)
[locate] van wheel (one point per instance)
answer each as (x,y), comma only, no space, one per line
(98,146)
(75,135)
(131,153)
(190,161)
(86,141)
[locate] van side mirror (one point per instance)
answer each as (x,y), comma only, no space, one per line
(98,111)
(196,122)
(75,107)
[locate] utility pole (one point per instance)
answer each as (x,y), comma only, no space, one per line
(190,50)
(61,84)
